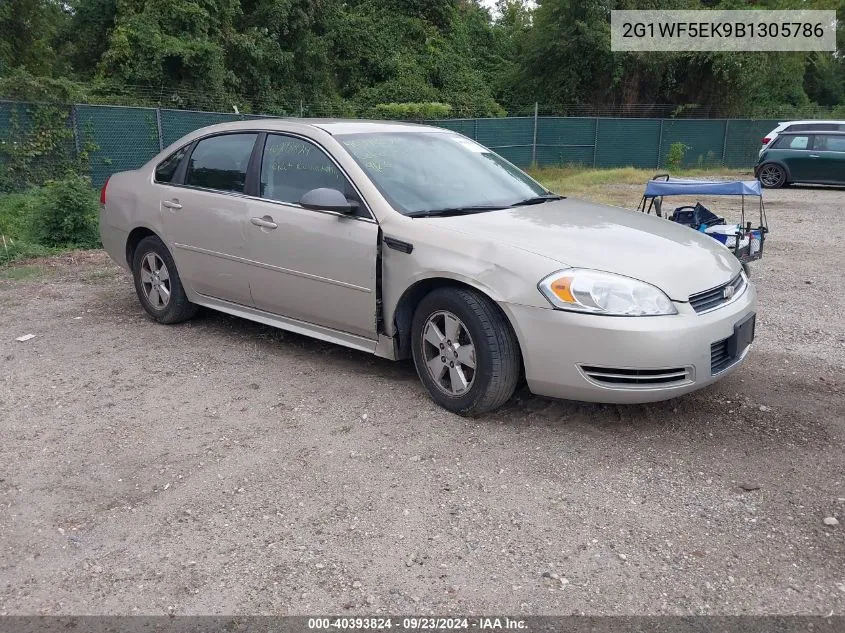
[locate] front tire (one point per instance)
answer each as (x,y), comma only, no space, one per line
(158,284)
(772,176)
(465,351)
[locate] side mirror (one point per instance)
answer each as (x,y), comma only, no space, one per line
(325,199)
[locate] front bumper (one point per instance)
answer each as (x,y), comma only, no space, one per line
(563,352)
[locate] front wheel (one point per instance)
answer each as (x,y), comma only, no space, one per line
(465,351)
(772,176)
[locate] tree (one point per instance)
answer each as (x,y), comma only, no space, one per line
(175,48)
(29,28)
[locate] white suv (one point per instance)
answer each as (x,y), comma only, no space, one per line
(802,126)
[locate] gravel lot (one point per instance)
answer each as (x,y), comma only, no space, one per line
(225,467)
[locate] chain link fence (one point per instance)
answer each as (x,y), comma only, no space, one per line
(109,138)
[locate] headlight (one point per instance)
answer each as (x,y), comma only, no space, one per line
(597,292)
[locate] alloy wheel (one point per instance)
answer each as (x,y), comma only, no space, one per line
(771,175)
(449,353)
(155,281)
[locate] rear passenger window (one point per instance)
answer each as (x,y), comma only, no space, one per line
(166,169)
(793,142)
(291,167)
(220,162)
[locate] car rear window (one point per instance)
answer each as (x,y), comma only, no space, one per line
(220,162)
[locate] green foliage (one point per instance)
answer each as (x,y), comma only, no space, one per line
(17,214)
(175,46)
(13,250)
(346,57)
(65,214)
(411,111)
(22,85)
(38,144)
(29,29)
(675,155)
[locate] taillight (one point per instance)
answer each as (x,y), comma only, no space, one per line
(103,191)
(766,140)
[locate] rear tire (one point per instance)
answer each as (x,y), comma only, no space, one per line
(465,351)
(158,284)
(772,176)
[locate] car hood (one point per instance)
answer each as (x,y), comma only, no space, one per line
(675,258)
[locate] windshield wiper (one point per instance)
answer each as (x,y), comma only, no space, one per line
(538,200)
(430,213)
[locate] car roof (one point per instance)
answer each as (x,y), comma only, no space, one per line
(332,126)
(815,133)
(357,126)
(808,121)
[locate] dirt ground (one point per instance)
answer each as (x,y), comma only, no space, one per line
(225,467)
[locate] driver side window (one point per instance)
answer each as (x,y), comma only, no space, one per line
(291,167)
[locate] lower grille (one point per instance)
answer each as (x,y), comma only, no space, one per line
(720,358)
(623,377)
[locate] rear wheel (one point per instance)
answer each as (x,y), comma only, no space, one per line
(772,176)
(157,283)
(465,351)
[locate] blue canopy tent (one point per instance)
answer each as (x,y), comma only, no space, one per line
(747,242)
(689,187)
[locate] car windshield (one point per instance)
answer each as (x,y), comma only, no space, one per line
(429,172)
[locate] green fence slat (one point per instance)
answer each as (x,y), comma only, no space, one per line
(125,138)
(177,123)
(565,141)
(627,142)
(703,139)
(506,133)
(744,140)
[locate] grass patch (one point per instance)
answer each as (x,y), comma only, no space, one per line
(15,250)
(597,184)
(102,273)
(22,273)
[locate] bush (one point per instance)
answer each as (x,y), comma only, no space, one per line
(16,211)
(675,157)
(65,214)
(413,111)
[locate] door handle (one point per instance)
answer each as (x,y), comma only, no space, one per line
(814,155)
(171,204)
(265,223)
